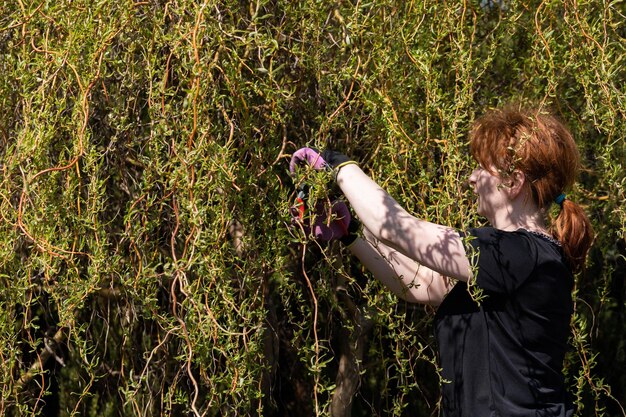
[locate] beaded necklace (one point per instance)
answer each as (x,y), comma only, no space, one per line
(544,236)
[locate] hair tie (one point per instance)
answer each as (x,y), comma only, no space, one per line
(559,200)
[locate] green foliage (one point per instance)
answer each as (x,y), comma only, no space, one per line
(147,266)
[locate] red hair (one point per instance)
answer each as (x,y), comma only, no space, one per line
(542,147)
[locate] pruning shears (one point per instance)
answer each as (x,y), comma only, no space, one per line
(303,194)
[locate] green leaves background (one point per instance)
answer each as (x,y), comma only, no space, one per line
(146,263)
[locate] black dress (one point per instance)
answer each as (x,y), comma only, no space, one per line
(504,355)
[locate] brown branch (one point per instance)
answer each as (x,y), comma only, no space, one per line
(46,353)
(315,336)
(351,348)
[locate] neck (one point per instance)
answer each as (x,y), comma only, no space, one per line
(528,224)
(520,214)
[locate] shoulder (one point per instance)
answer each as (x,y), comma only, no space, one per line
(504,242)
(501,260)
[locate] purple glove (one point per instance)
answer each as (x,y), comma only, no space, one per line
(318,160)
(307,156)
(325,228)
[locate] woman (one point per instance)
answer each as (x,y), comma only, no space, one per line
(502,356)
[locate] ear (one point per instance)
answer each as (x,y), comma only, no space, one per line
(518,180)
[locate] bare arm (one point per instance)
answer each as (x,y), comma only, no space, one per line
(436,247)
(403,276)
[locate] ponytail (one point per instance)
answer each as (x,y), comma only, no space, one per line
(573,229)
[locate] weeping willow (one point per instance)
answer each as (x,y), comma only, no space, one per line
(148,266)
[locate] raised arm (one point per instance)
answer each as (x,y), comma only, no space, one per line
(403,276)
(434,246)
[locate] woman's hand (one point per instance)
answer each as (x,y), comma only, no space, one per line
(324,225)
(326,160)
